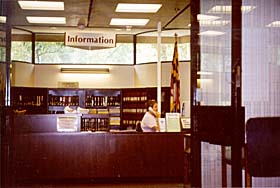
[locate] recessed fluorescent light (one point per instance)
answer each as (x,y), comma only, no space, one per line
(205,80)
(41,5)
(211,33)
(206,17)
(246,9)
(46,20)
(214,23)
(130,22)
(204,73)
(3,19)
(86,70)
(274,24)
(220,9)
(227,9)
(145,8)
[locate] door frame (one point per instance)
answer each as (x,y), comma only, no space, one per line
(237,137)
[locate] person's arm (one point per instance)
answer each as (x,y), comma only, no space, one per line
(156,128)
(149,121)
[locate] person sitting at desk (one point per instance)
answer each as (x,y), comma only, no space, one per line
(150,121)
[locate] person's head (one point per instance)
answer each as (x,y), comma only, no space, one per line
(153,104)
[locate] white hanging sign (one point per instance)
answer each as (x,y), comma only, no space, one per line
(98,40)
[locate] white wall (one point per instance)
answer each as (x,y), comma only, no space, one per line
(22,74)
(50,75)
(145,75)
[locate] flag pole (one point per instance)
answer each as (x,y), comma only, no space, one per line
(175,81)
(175,87)
(159,67)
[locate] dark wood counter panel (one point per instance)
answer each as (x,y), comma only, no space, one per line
(54,156)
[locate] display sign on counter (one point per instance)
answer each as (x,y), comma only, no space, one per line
(186,123)
(68,123)
(162,125)
(173,123)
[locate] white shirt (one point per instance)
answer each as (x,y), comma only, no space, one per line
(148,122)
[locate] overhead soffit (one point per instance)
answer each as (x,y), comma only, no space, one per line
(120,38)
(99,17)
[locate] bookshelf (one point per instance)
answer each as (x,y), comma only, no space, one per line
(59,98)
(124,107)
(29,100)
(95,122)
(105,102)
(134,101)
(133,106)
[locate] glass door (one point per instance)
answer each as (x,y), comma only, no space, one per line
(5,46)
(216,113)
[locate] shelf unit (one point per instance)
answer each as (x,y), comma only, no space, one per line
(134,104)
(59,98)
(107,102)
(95,122)
(29,100)
(124,107)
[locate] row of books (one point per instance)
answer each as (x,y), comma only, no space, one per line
(134,110)
(130,122)
(24,100)
(114,120)
(104,111)
(135,99)
(102,101)
(63,100)
(94,124)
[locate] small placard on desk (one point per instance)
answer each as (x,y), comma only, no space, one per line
(186,122)
(173,123)
(162,125)
(68,84)
(68,123)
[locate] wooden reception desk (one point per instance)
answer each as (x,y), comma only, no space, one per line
(49,155)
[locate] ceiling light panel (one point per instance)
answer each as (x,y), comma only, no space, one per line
(220,9)
(274,24)
(211,33)
(41,5)
(246,9)
(144,8)
(213,23)
(206,17)
(46,20)
(204,73)
(129,22)
(227,9)
(3,19)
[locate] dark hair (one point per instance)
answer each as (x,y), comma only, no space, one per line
(151,103)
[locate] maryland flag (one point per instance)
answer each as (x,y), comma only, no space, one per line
(175,82)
